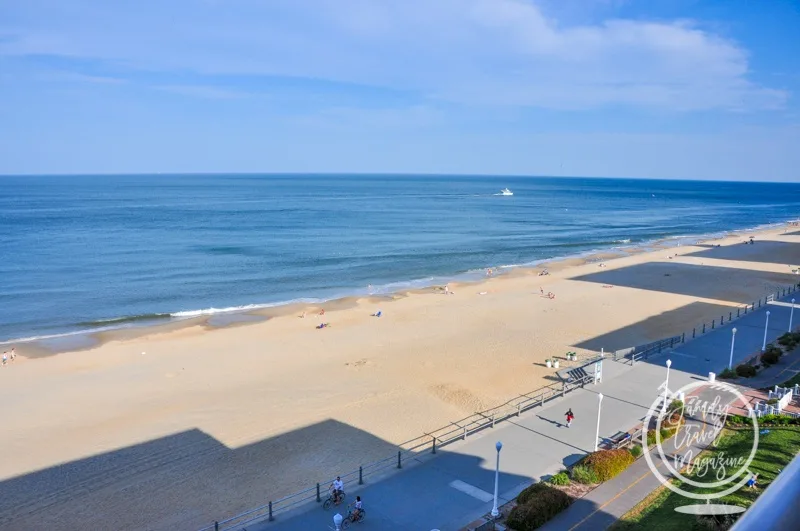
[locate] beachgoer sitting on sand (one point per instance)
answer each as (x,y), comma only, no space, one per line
(551,295)
(303,315)
(377,314)
(322,312)
(323,325)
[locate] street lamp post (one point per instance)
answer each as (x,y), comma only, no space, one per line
(498,446)
(597,432)
(791,314)
(337,521)
(766,325)
(733,339)
(666,387)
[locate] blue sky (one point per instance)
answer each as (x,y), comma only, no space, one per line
(630,88)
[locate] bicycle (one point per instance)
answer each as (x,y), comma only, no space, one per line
(330,502)
(351,518)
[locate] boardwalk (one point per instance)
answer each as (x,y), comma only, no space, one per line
(454,487)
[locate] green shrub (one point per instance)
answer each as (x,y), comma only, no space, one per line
(651,437)
(778,420)
(636,451)
(745,371)
(608,463)
(772,348)
(739,420)
(536,511)
(560,479)
(728,374)
(676,406)
(766,420)
(772,401)
(789,340)
(770,357)
(585,475)
(530,492)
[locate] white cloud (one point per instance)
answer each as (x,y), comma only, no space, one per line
(505,52)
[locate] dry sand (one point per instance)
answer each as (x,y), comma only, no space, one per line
(172,428)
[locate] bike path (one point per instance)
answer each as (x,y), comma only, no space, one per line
(456,486)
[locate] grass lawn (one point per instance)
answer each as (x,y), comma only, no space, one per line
(775,450)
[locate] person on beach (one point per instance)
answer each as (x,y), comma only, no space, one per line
(5,358)
(541,290)
(13,354)
(570,416)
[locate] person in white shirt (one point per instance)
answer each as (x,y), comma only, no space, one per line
(338,489)
(358,508)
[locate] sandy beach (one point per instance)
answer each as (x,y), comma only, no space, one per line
(174,427)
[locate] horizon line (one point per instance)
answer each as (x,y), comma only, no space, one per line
(386,174)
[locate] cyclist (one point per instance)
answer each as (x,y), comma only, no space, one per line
(358,508)
(338,489)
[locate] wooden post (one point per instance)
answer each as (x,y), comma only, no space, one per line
(493,420)
(683,337)
(712,324)
(434,445)
(271,518)
(704,328)
(519,409)
(319,498)
(216,526)
(360,476)
(694,330)
(730,316)
(399,461)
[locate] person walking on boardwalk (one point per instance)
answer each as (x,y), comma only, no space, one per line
(570,416)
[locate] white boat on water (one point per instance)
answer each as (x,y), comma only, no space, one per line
(506,191)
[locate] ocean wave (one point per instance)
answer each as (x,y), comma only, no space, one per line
(188,314)
(125,319)
(58,336)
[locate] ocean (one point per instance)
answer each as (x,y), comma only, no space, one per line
(90,253)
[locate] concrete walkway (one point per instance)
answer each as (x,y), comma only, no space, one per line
(603,506)
(456,486)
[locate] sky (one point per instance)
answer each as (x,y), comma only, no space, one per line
(688,89)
